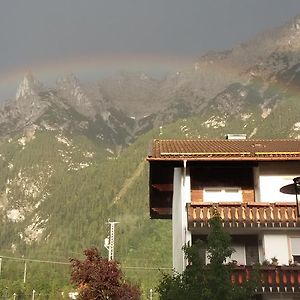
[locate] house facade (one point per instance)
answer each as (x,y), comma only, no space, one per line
(241,179)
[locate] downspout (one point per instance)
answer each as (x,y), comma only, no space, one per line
(185,261)
(184,171)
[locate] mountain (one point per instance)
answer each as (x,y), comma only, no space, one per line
(73,155)
(131,92)
(118,109)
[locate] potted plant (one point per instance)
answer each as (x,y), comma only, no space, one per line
(274,261)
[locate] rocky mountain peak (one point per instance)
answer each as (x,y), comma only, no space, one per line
(69,81)
(296,22)
(71,86)
(28,87)
(78,95)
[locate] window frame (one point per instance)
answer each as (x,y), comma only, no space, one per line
(223,194)
(292,256)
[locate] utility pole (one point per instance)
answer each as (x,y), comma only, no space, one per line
(25,272)
(0,266)
(33,294)
(6,293)
(109,242)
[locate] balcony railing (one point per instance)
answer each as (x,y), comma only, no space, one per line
(251,214)
(272,279)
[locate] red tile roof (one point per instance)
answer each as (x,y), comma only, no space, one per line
(262,150)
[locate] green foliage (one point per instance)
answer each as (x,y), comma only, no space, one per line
(218,276)
(199,281)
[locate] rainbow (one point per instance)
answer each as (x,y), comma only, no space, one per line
(97,67)
(94,67)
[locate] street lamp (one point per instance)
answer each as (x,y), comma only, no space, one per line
(293,189)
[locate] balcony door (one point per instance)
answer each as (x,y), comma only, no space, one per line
(245,246)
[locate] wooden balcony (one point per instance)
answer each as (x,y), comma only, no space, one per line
(273,279)
(243,215)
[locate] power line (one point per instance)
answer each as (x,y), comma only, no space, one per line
(35,260)
(147,268)
(67,263)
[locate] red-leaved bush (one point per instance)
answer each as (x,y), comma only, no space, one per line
(98,278)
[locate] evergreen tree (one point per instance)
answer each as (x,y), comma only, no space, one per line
(212,281)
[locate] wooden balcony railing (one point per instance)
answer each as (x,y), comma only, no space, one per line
(272,279)
(251,214)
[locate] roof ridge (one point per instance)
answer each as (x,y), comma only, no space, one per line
(225,140)
(222,149)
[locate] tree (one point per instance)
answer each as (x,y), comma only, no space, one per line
(212,281)
(98,278)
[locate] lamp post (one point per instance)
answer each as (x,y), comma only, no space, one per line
(293,189)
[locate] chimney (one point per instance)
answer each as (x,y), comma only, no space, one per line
(236,136)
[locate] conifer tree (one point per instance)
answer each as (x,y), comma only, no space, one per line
(212,281)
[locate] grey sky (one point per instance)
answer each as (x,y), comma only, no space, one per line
(37,33)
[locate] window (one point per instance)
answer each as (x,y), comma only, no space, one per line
(239,254)
(246,249)
(295,249)
(222,194)
(252,256)
(296,259)
(245,254)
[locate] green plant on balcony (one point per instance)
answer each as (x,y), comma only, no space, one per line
(274,261)
(265,263)
(212,281)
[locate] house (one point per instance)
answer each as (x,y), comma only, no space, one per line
(241,179)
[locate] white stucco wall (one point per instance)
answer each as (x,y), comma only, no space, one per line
(276,245)
(270,188)
(271,177)
(181,236)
